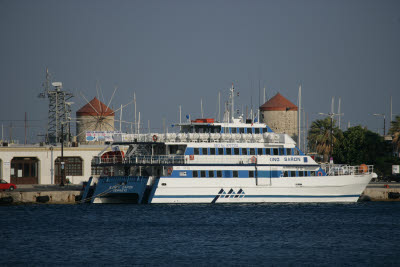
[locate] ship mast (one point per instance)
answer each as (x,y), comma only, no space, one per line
(233,102)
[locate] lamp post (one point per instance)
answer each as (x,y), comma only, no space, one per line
(384,121)
(62,155)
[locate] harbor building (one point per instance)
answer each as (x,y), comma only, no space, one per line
(35,164)
(280,115)
(94,116)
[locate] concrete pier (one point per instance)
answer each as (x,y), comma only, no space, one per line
(382,191)
(49,194)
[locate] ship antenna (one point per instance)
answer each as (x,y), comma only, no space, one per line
(233,102)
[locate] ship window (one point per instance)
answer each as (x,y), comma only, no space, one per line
(285,174)
(212,151)
(204,151)
(210,174)
(251,174)
(219,173)
(233,130)
(235,174)
(259,151)
(301,173)
(296,152)
(241,130)
(220,151)
(312,173)
(292,173)
(265,130)
(288,151)
(275,152)
(244,151)
(256,130)
(281,151)
(249,131)
(195,174)
(226,130)
(236,151)
(268,151)
(202,174)
(228,151)
(252,151)
(196,151)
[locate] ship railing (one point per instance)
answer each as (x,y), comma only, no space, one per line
(340,169)
(202,137)
(143,159)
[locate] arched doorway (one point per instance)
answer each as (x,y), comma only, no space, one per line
(24,170)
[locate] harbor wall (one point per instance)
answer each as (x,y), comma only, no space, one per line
(49,197)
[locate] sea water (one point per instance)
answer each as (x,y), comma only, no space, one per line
(249,234)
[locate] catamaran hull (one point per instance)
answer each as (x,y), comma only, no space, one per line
(303,189)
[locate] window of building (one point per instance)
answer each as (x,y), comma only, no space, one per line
(72,165)
(235,174)
(236,151)
(220,151)
(210,174)
(212,151)
(195,174)
(204,151)
(96,170)
(202,174)
(196,151)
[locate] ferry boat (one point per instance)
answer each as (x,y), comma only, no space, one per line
(234,161)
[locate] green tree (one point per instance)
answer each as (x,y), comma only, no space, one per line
(360,145)
(319,137)
(395,132)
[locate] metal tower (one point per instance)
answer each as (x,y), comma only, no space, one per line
(59,117)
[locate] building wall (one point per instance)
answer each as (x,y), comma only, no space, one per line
(47,156)
(281,121)
(89,123)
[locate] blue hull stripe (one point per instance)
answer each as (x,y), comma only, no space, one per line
(255,196)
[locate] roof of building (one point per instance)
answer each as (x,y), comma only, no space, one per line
(95,108)
(278,102)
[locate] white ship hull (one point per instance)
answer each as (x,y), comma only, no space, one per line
(347,188)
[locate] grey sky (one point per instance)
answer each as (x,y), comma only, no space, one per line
(173,53)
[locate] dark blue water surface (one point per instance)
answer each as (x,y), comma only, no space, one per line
(259,234)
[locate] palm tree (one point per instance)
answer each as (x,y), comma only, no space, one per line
(395,132)
(319,137)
